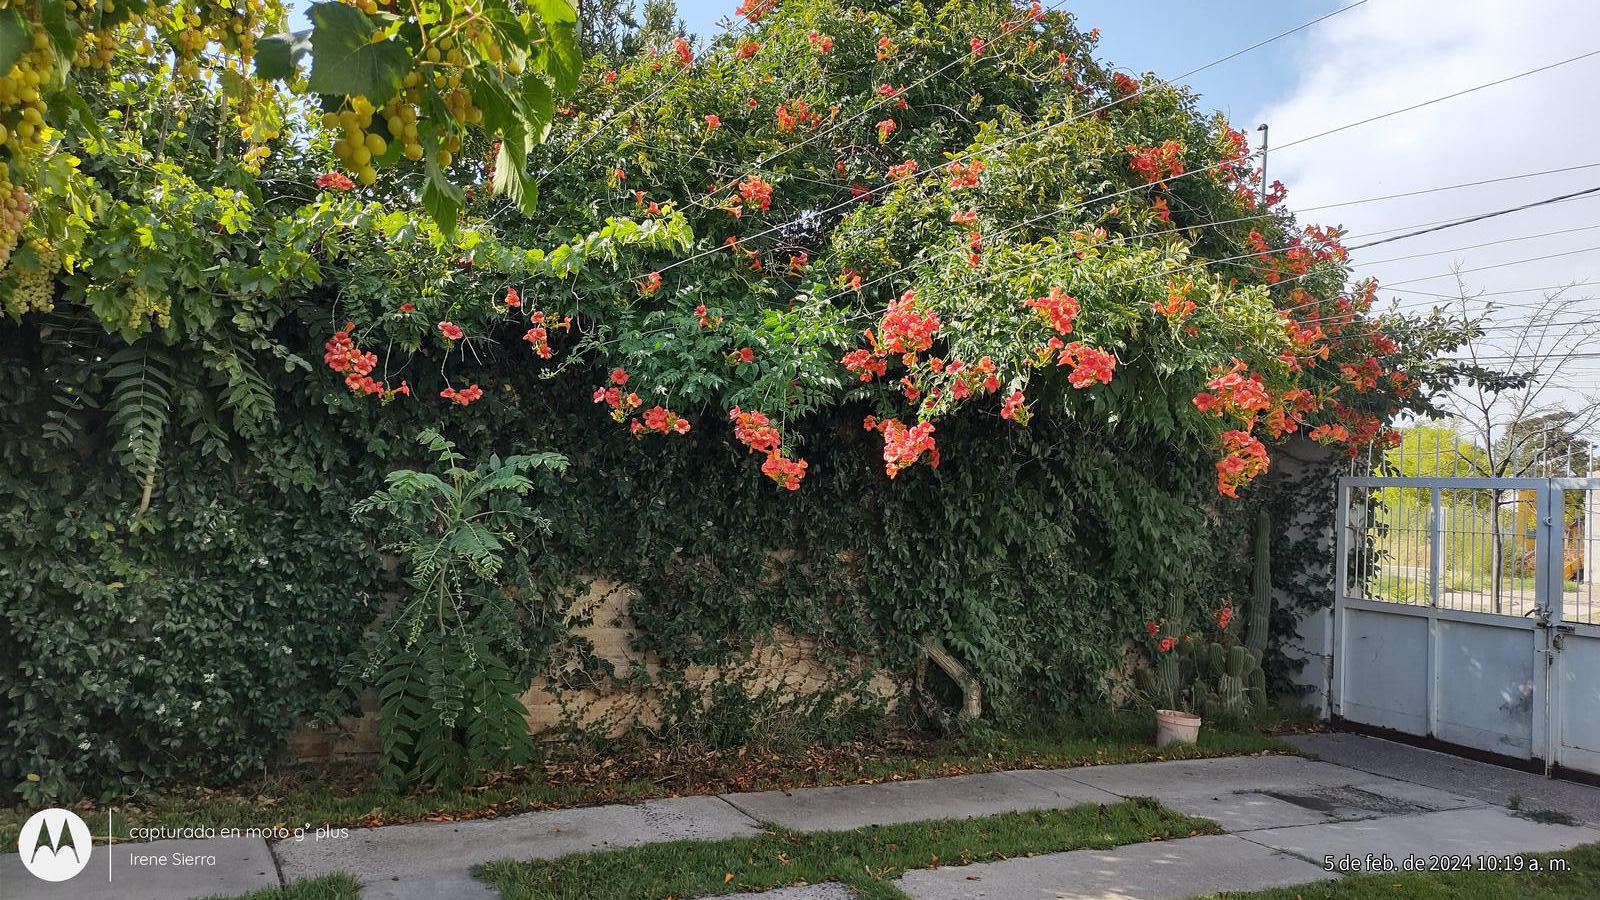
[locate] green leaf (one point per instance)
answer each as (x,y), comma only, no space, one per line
(16,38)
(563,57)
(500,109)
(278,56)
(344,60)
(62,30)
(511,176)
(505,24)
(68,102)
(538,108)
(442,199)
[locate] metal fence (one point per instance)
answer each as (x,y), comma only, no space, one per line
(1445,543)
(1441,532)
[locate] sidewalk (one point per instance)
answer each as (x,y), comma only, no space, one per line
(1281,816)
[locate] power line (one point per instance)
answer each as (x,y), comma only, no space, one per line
(1534,290)
(1528,237)
(1255,254)
(1532,324)
(1480,218)
(1514,262)
(1451,187)
(1511,358)
(1296,142)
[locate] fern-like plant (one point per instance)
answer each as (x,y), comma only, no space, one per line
(453,660)
(141,406)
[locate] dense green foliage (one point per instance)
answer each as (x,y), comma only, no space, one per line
(165,424)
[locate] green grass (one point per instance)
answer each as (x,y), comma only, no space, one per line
(568,777)
(329,887)
(1580,882)
(868,859)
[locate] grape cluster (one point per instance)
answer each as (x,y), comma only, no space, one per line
(14,209)
(142,304)
(439,69)
(22,106)
(356,147)
(33,289)
(95,51)
(231,24)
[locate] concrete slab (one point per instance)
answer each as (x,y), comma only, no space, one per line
(857,806)
(1166,869)
(1468,778)
(1226,775)
(1246,811)
(1245,793)
(379,855)
(831,890)
(458,885)
(1462,831)
(158,870)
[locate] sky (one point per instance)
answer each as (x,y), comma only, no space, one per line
(1388,55)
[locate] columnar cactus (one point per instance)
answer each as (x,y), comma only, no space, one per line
(1258,689)
(1260,613)
(1231,705)
(1216,660)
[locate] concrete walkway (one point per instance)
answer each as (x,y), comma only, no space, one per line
(1495,785)
(1282,815)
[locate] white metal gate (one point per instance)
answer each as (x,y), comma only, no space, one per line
(1467,610)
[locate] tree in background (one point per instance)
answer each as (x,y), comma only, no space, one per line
(1525,414)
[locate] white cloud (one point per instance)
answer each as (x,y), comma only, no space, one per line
(1389,54)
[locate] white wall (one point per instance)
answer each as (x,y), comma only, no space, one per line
(1314,642)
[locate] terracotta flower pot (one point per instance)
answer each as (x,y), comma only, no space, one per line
(1174,727)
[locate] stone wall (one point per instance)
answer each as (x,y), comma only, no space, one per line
(568,697)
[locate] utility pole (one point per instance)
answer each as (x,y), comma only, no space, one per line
(1263,129)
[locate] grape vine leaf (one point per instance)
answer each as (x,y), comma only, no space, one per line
(344,59)
(16,38)
(278,56)
(440,196)
(562,57)
(538,107)
(511,176)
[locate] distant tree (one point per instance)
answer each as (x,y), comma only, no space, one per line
(1549,444)
(1436,450)
(1524,411)
(661,24)
(606,26)
(619,29)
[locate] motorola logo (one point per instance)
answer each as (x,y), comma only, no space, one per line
(55,844)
